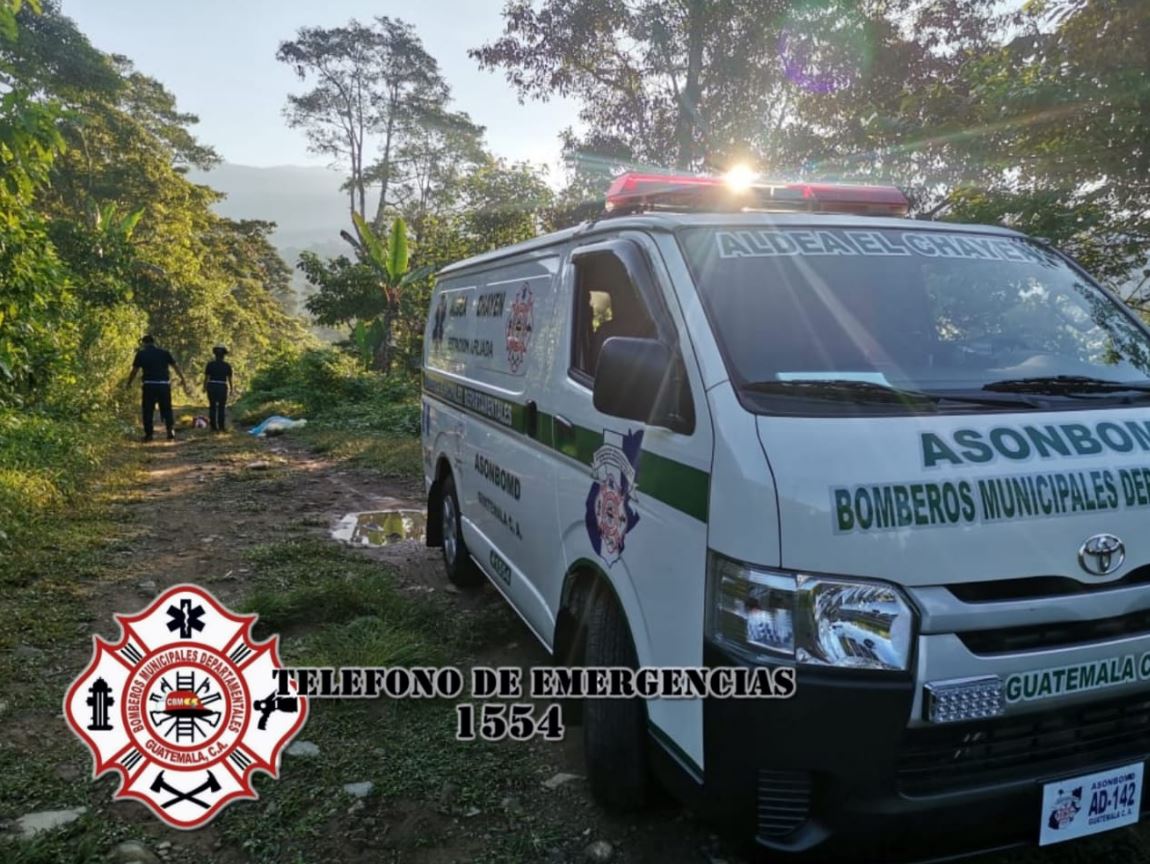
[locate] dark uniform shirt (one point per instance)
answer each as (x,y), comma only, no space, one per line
(218,371)
(153,362)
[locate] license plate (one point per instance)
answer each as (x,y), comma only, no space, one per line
(1090,804)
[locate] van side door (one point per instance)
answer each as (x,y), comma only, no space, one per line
(632,496)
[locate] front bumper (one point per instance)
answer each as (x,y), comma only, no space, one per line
(835,770)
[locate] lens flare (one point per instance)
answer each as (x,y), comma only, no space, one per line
(739,178)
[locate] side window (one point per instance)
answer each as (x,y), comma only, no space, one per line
(607,304)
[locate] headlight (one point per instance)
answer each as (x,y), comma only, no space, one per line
(808,619)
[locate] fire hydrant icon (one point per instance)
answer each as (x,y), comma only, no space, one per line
(100,700)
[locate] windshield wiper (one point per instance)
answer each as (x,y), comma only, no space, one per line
(1064,385)
(872,391)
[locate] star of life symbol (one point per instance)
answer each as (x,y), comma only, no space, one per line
(169,707)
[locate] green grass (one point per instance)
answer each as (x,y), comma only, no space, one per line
(47,463)
(344,609)
(62,543)
(66,546)
(390,456)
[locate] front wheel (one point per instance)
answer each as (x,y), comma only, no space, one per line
(614,730)
(461,570)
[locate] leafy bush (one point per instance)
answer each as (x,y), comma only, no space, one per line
(251,414)
(317,379)
(44,462)
(328,387)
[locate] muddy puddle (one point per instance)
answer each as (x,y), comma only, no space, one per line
(381,527)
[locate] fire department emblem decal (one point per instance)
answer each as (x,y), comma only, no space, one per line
(610,511)
(519,327)
(1066,807)
(170,707)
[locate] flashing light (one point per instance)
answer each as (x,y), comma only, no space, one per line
(739,190)
(739,178)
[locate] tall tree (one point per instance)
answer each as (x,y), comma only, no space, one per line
(413,98)
(496,204)
(428,168)
(676,79)
(1063,150)
(370,81)
(106,235)
(796,88)
(503,203)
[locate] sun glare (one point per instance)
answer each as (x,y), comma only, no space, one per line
(740,177)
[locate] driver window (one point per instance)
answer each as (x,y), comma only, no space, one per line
(607,304)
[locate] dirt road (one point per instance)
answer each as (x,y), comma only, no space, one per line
(238,515)
(251,521)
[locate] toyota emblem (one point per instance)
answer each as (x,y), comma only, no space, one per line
(1102,554)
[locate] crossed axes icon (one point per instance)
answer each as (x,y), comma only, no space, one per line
(209,785)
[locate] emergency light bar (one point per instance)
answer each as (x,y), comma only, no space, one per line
(632,193)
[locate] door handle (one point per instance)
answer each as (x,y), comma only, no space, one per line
(564,433)
(531,418)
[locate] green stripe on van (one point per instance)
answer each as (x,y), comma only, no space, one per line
(676,484)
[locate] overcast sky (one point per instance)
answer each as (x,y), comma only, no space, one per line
(218,58)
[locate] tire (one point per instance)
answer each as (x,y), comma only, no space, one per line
(614,730)
(461,570)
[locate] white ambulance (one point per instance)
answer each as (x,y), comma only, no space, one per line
(788,426)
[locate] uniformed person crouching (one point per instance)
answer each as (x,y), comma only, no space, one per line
(217,384)
(153,363)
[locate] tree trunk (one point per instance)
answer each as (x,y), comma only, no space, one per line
(687,119)
(382,359)
(380,216)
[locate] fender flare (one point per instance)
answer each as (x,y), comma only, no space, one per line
(582,584)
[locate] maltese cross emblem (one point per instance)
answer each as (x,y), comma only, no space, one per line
(169,706)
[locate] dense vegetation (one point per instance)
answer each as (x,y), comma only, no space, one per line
(103,238)
(1032,115)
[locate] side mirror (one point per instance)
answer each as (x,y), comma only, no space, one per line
(633,380)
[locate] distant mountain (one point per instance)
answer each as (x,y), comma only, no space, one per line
(305,203)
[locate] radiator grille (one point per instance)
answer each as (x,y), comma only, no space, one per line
(944,758)
(1032,637)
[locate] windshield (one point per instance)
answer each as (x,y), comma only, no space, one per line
(938,312)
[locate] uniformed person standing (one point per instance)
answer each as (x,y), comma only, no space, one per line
(217,384)
(153,363)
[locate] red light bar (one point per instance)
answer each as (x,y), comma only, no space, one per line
(841,198)
(632,189)
(632,192)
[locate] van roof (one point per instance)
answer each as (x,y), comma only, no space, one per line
(670,222)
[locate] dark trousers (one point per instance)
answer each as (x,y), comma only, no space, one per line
(217,402)
(161,395)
